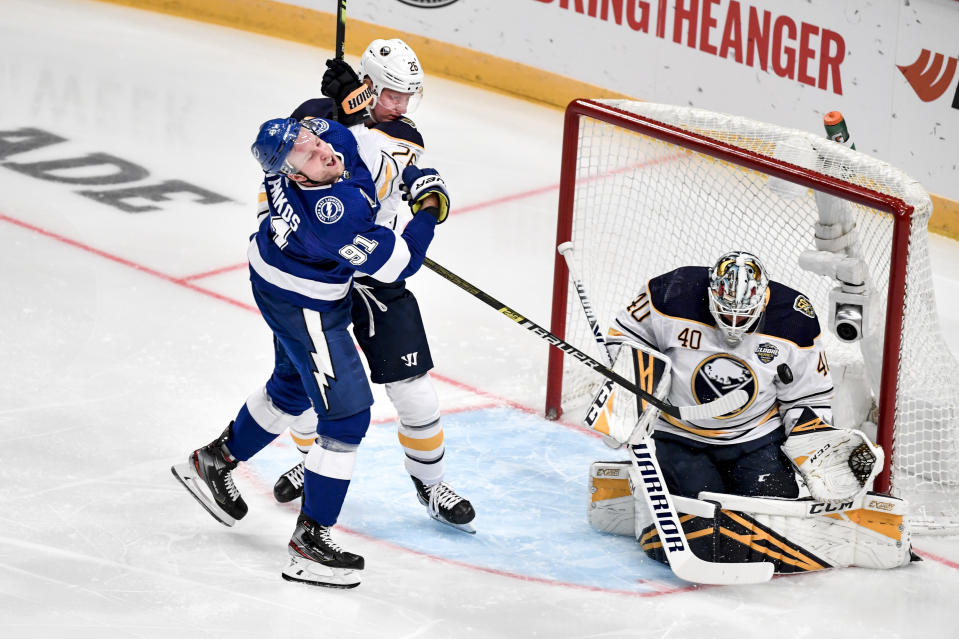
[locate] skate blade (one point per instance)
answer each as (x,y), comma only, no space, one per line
(312,574)
(467,527)
(185,475)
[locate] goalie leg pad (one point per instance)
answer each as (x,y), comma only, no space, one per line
(797,535)
(612,507)
(733,537)
(616,505)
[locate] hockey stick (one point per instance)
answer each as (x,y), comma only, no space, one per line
(340,47)
(684,564)
(599,398)
(339,52)
(720,406)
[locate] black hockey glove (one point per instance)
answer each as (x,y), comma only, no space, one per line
(419,184)
(352,97)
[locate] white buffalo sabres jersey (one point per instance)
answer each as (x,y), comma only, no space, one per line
(779,363)
(387,148)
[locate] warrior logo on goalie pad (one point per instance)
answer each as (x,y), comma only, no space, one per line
(720,374)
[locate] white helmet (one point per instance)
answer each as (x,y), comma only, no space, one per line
(392,64)
(737,293)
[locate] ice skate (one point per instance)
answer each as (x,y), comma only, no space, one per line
(290,484)
(206,474)
(445,506)
(315,559)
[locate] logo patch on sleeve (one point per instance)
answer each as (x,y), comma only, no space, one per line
(329,209)
(804,306)
(767,352)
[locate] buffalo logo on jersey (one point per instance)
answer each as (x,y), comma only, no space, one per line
(804,306)
(766,352)
(720,374)
(329,209)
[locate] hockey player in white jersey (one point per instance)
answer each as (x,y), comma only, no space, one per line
(729,327)
(386,318)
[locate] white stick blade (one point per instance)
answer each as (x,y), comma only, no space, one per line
(720,406)
(693,569)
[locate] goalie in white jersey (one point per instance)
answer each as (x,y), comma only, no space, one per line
(727,327)
(724,328)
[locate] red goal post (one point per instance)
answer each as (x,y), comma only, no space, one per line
(646,188)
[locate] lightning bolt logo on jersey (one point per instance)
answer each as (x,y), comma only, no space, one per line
(671,315)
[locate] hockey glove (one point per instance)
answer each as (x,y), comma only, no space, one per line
(836,464)
(419,184)
(352,97)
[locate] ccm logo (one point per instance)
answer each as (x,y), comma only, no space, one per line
(822,507)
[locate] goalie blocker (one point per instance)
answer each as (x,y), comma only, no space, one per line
(801,535)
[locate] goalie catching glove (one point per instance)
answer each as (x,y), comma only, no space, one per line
(352,96)
(418,185)
(836,464)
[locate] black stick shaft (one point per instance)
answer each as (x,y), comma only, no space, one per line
(541,332)
(340,29)
(340,46)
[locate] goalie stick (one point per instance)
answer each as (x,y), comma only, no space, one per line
(642,453)
(720,406)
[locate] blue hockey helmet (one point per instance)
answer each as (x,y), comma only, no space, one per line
(273,143)
(277,137)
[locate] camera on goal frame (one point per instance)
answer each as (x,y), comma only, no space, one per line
(847,314)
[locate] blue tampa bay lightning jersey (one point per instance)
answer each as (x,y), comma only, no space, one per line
(311,240)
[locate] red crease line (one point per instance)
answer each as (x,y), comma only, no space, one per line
(931,557)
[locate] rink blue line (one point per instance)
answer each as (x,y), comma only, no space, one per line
(527,479)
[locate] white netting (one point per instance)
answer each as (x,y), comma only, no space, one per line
(643,207)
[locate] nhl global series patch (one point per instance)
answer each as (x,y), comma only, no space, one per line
(767,352)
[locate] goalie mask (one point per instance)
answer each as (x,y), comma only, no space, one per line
(738,290)
(392,64)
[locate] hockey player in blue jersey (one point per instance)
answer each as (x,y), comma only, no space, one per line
(320,230)
(386,318)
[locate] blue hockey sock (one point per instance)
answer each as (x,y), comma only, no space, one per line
(329,466)
(247,438)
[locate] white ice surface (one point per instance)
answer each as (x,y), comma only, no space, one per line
(119,357)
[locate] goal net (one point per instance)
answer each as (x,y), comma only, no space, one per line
(647,188)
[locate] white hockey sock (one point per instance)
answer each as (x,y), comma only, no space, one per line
(425,449)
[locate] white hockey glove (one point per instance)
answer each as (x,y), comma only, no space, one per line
(836,464)
(617,414)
